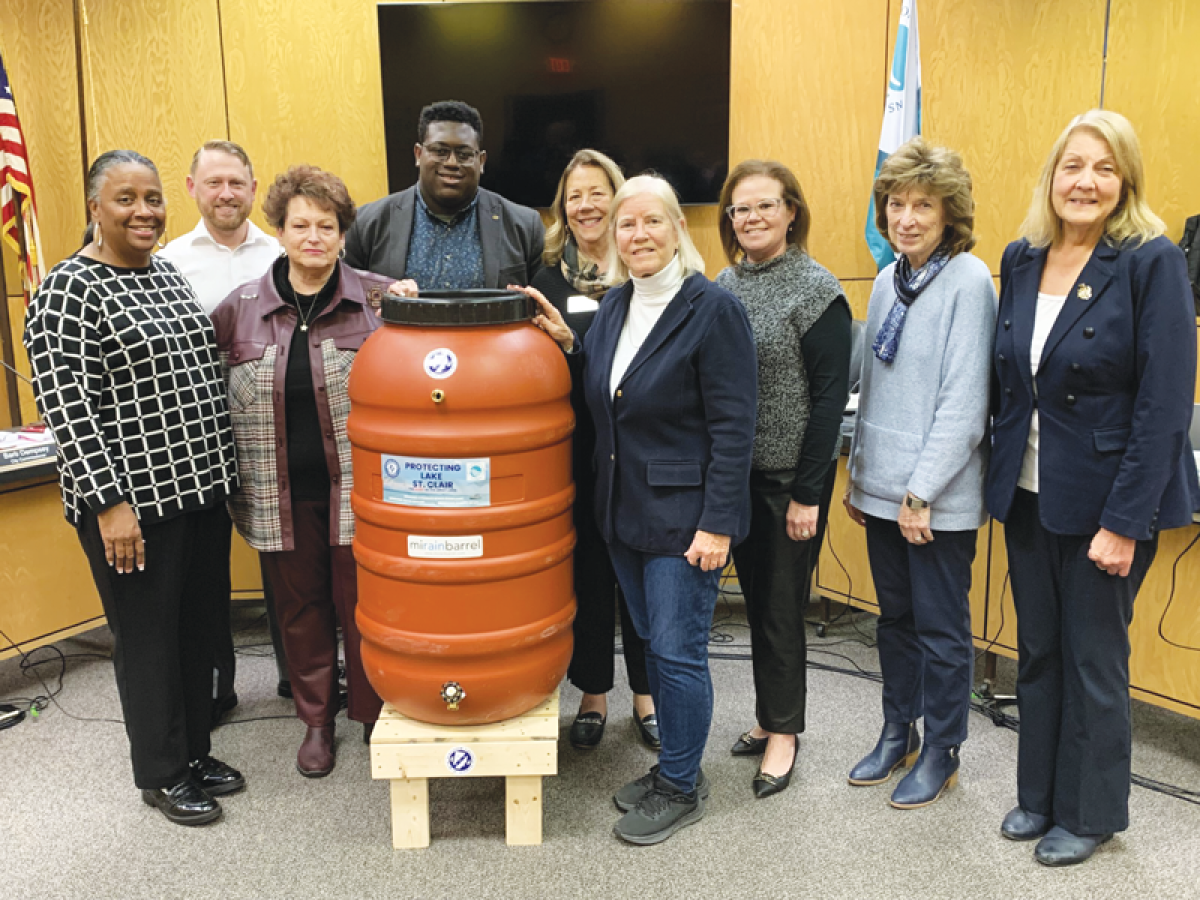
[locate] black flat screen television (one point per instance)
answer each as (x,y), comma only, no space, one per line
(645,81)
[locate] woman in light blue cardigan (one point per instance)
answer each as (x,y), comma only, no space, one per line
(917,462)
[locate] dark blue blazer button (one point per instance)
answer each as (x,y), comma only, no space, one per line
(1008,392)
(1007,324)
(1000,356)
(1076,367)
(1070,400)
(1089,332)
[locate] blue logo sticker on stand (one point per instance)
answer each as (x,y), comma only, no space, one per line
(440,363)
(460,760)
(444,483)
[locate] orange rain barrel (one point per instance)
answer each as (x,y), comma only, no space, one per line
(460,428)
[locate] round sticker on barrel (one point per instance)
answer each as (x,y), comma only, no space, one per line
(460,760)
(440,363)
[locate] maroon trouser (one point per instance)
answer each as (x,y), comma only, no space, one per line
(316,587)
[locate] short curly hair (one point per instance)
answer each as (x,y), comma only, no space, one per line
(449,111)
(322,188)
(938,171)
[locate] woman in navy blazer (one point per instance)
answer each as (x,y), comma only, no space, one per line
(1095,365)
(670,378)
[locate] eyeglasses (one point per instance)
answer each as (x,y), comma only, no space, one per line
(441,153)
(766,208)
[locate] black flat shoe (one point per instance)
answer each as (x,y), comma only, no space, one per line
(284,690)
(368,730)
(184,804)
(586,730)
(647,729)
(766,785)
(215,777)
(748,745)
(1020,825)
(1061,848)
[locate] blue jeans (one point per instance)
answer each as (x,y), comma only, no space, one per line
(671,603)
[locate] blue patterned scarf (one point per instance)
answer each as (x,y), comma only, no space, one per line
(908,286)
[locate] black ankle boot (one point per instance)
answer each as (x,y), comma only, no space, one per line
(897,746)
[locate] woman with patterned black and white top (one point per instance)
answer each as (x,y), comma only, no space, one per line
(801,323)
(126,376)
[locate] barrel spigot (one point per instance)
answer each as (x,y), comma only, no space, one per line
(453,694)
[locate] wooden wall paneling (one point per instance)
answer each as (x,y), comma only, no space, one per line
(46,587)
(37,38)
(302,91)
(1152,80)
(807,88)
(1000,81)
(153,83)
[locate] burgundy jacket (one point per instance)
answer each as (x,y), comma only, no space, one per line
(254,331)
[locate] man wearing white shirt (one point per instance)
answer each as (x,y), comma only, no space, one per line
(224,251)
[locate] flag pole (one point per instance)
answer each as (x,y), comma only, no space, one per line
(10,382)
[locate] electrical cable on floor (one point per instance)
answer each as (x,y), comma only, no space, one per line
(1171,598)
(37,704)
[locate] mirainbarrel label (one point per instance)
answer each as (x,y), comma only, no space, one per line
(467,546)
(446,483)
(440,363)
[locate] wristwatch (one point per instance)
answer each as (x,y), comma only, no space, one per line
(915,503)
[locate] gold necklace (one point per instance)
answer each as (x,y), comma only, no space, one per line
(300,311)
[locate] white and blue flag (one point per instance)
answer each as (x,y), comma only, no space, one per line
(901,114)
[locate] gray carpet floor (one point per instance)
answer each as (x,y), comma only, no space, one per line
(72,824)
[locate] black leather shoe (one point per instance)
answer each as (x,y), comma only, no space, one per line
(221,707)
(284,689)
(184,804)
(215,777)
(765,784)
(1020,825)
(935,772)
(586,730)
(368,730)
(748,745)
(1061,848)
(647,729)
(897,746)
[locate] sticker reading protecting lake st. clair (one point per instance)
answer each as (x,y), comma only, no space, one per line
(445,483)
(440,363)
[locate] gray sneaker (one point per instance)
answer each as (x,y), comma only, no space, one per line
(631,795)
(659,814)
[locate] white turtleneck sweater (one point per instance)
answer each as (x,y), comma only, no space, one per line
(650,297)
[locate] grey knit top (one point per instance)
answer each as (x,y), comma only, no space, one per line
(783,297)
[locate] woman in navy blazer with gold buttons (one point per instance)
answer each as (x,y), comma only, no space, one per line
(670,377)
(1095,365)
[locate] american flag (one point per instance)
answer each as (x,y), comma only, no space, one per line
(16,190)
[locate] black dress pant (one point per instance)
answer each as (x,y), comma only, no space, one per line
(596,591)
(775,574)
(163,620)
(224,664)
(924,632)
(1073,761)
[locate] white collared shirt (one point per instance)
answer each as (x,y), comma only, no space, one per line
(212,269)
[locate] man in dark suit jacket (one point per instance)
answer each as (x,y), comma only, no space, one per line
(446,231)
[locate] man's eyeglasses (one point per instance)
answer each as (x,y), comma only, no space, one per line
(766,208)
(441,153)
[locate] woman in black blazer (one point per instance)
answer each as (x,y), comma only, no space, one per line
(1095,365)
(574,278)
(670,379)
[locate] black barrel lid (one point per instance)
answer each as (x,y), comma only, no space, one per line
(470,306)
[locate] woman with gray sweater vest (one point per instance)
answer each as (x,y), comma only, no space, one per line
(801,324)
(917,462)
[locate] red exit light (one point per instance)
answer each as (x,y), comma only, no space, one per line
(560,65)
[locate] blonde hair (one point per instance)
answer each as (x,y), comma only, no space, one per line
(939,172)
(657,187)
(559,231)
(1132,219)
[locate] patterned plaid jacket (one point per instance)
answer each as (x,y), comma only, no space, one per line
(253,323)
